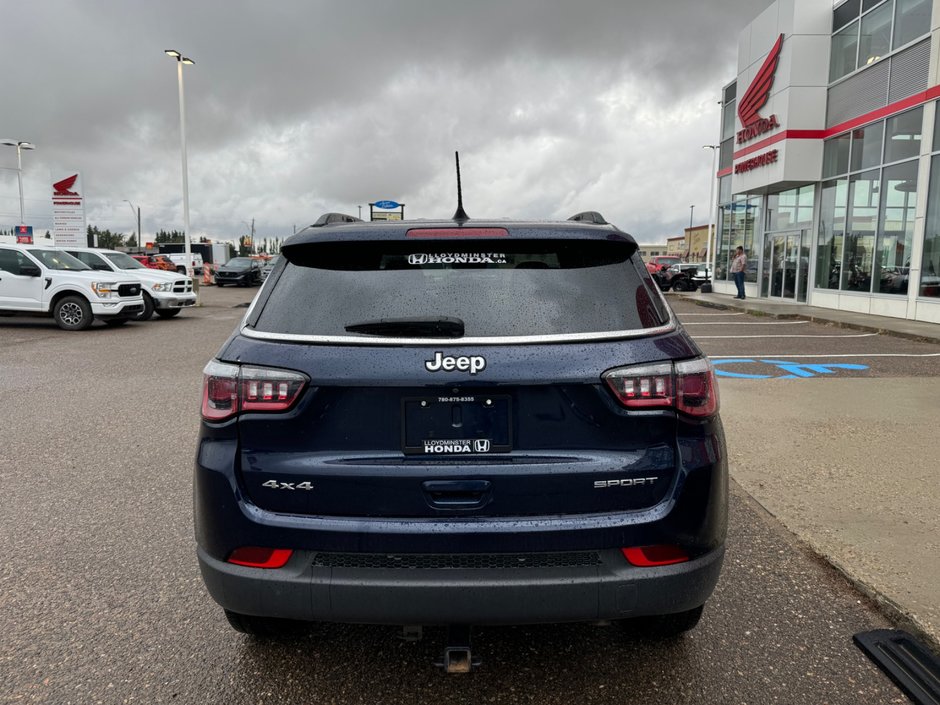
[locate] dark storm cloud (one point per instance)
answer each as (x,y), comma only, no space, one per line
(298,107)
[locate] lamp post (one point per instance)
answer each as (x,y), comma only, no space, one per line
(691,214)
(20,146)
(712,206)
(137,213)
(180,60)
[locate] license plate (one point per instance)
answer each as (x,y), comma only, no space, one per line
(457,425)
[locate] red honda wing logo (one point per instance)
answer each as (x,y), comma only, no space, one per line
(756,98)
(62,187)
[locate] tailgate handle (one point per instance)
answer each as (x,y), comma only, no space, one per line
(457,494)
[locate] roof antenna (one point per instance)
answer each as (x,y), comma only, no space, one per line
(460,214)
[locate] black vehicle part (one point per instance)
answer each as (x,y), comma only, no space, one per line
(457,655)
(266,627)
(333,218)
(664,626)
(147,313)
(905,661)
(589,217)
(168,312)
(680,283)
(115,322)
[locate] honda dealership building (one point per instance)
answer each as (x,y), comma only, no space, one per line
(829,166)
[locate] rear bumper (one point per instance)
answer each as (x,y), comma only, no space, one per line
(309,588)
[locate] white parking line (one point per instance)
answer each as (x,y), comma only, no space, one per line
(795,335)
(745,323)
(816,357)
(711,314)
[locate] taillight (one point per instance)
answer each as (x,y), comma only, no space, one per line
(260,557)
(228,390)
(687,386)
(649,556)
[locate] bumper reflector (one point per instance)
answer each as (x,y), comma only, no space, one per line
(260,557)
(649,556)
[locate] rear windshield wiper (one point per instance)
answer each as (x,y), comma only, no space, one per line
(439,327)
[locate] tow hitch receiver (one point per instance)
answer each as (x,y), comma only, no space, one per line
(457,657)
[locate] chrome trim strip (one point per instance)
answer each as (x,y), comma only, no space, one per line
(461,342)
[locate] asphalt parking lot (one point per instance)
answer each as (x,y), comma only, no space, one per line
(101,598)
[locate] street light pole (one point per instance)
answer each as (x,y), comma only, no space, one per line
(691,214)
(180,60)
(139,245)
(20,145)
(712,206)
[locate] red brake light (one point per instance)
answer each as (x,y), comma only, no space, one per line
(688,387)
(697,389)
(649,556)
(260,557)
(228,390)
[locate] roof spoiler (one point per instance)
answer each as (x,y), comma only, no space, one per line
(333,218)
(589,217)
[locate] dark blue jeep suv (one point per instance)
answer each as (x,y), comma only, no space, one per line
(460,422)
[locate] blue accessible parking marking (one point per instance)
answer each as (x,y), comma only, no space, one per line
(791,370)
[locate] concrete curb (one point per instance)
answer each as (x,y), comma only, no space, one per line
(821,318)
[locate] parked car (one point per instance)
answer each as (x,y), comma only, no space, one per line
(658,263)
(163,262)
(179,261)
(166,293)
(269,266)
(243,271)
(417,423)
(150,262)
(685,276)
(44,281)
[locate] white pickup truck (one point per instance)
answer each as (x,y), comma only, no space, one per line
(166,293)
(45,281)
(179,259)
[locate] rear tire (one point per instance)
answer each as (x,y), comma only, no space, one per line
(168,312)
(115,322)
(72,313)
(266,627)
(680,285)
(663,626)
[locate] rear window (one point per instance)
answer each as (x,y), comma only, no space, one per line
(494,288)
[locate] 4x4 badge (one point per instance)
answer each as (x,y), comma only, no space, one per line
(464,363)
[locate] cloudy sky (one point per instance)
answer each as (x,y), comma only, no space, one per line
(296,108)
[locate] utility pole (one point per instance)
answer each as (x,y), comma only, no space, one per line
(252,249)
(691,214)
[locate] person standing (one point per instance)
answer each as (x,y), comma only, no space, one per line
(738,265)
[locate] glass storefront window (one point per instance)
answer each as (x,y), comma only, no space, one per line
(875,38)
(896,228)
(844,52)
(866,146)
(832,209)
(844,12)
(930,264)
(790,210)
(724,189)
(861,224)
(751,232)
(836,155)
(727,120)
(902,135)
(724,243)
(911,20)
